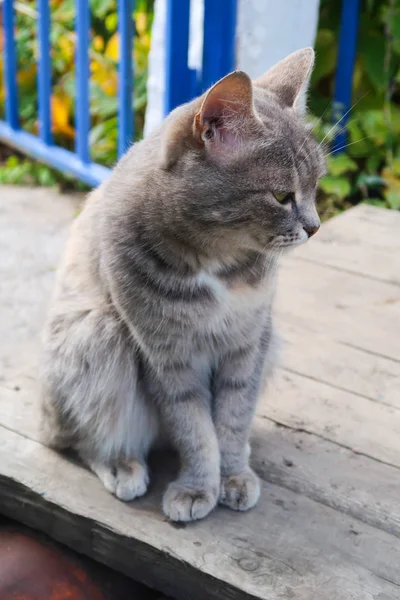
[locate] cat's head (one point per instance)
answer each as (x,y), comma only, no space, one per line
(247,162)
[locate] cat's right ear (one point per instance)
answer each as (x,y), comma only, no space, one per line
(217,122)
(226,110)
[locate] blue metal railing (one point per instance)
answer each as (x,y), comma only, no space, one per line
(344,71)
(182,83)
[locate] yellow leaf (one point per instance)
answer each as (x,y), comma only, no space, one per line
(110,85)
(105,76)
(112,48)
(60,110)
(95,66)
(141,22)
(67,48)
(98,43)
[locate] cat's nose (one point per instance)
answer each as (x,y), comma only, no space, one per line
(310,229)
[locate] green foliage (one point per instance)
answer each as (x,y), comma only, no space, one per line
(370,167)
(25,171)
(103,53)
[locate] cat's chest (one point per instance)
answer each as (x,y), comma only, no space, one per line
(234,303)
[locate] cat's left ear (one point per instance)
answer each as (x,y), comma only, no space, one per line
(289,78)
(225,113)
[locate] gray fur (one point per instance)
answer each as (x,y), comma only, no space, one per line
(161,324)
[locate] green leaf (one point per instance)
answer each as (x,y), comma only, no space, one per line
(393,198)
(394,24)
(12,161)
(373,123)
(377,202)
(325,46)
(373,52)
(45,177)
(340,164)
(101,7)
(335,186)
(395,166)
(111,22)
(373,162)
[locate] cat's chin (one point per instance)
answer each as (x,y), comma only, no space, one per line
(287,246)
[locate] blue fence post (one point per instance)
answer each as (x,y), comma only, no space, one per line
(219,46)
(345,68)
(178,77)
(125,75)
(44,71)
(82,79)
(10,66)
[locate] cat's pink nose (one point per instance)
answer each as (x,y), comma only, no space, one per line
(311,230)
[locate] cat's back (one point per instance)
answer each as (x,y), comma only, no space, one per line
(78,283)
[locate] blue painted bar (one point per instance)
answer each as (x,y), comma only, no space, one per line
(345,68)
(10,65)
(178,76)
(228,37)
(82,79)
(44,71)
(219,44)
(125,76)
(60,159)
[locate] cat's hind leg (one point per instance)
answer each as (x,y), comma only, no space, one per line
(126,480)
(94,401)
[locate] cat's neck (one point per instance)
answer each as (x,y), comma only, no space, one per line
(189,256)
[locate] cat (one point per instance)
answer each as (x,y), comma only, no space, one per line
(161,325)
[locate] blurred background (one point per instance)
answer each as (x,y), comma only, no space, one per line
(367,165)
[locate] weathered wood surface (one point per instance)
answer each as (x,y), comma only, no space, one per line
(364,240)
(326,438)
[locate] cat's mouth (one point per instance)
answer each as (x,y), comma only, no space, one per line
(291,241)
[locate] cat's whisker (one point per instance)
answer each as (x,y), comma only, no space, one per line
(314,126)
(367,137)
(344,116)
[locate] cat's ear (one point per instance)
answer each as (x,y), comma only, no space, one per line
(225,112)
(289,78)
(219,121)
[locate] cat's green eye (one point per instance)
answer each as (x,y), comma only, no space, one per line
(283,197)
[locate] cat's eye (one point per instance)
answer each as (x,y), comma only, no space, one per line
(283,197)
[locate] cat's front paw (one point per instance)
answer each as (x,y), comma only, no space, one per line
(240,491)
(182,503)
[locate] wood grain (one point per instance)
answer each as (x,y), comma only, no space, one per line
(351,309)
(364,240)
(363,426)
(318,356)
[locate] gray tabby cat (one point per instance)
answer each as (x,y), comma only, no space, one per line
(161,325)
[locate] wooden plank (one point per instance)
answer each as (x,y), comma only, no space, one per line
(287,547)
(34,225)
(363,240)
(348,308)
(350,369)
(365,427)
(327,473)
